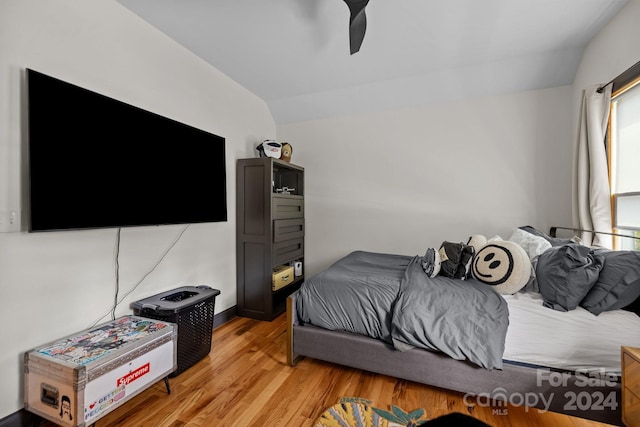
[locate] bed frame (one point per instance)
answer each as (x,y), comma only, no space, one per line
(564,392)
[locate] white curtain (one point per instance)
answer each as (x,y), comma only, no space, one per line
(591,195)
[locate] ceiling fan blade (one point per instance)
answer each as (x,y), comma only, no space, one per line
(357,23)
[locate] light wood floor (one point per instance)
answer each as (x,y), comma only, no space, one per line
(245,381)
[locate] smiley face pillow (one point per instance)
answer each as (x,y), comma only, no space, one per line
(504,265)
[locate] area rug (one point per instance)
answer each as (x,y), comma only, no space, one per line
(358,412)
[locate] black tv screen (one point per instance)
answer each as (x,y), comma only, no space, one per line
(95,162)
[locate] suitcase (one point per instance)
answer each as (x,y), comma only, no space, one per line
(78,379)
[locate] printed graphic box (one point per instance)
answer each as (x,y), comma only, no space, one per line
(78,379)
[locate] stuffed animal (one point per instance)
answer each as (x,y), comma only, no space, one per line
(287,150)
(452,260)
(477,241)
(504,265)
(431,262)
(455,260)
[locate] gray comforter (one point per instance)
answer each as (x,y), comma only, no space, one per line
(389,297)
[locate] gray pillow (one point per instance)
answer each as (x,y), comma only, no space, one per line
(565,275)
(619,283)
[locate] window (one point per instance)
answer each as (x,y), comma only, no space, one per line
(624,159)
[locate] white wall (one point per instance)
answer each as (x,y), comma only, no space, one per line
(54,284)
(406,180)
(611,52)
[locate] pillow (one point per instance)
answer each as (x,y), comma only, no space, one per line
(554,241)
(618,285)
(565,275)
(532,244)
(502,264)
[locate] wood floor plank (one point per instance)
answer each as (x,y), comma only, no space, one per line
(245,381)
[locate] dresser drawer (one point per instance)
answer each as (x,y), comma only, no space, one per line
(630,409)
(287,229)
(288,250)
(631,386)
(631,373)
(287,207)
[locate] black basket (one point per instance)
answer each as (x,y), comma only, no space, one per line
(191,308)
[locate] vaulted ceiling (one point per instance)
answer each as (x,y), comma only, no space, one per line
(295,53)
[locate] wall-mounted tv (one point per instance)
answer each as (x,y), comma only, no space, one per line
(96,162)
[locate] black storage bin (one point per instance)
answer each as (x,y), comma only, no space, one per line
(191,309)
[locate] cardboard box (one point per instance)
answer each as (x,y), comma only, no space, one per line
(282,276)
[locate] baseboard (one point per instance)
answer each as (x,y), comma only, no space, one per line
(224,316)
(24,418)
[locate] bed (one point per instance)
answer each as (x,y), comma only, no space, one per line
(516,348)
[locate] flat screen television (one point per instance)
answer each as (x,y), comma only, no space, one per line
(96,162)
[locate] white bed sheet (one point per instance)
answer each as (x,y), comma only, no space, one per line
(567,340)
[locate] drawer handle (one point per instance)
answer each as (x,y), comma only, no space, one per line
(49,395)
